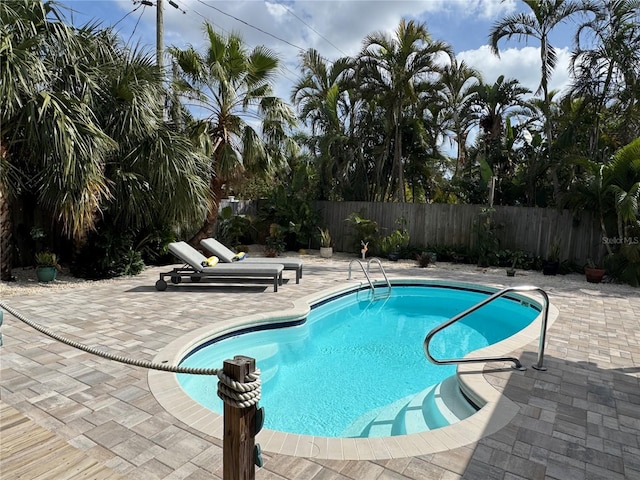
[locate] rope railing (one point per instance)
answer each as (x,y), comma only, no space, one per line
(236,394)
(109,356)
(239,388)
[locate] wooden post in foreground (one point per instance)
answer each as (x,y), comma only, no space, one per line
(239,427)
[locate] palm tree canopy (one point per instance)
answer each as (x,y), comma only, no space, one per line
(233,87)
(544,16)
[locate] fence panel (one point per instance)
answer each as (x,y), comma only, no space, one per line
(519,228)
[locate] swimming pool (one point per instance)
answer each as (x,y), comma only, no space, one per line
(352,361)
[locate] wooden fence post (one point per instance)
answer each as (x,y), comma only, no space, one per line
(239,426)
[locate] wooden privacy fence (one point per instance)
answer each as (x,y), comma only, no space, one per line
(519,228)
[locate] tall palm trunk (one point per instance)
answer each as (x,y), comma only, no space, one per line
(397,157)
(6,245)
(555,179)
(208,227)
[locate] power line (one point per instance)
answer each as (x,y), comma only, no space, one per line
(282,64)
(136,26)
(114,25)
(313,29)
(253,26)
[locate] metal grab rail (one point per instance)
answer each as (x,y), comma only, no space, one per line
(363,271)
(366,272)
(384,274)
(501,293)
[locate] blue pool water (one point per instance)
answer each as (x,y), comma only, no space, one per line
(353,356)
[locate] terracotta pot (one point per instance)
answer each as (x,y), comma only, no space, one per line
(594,275)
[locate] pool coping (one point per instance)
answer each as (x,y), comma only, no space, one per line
(495,413)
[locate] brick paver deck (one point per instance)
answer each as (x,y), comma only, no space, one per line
(578,420)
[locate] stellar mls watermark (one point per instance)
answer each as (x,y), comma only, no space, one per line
(620,240)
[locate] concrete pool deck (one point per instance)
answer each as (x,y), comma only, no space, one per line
(579,419)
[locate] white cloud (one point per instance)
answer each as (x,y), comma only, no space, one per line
(338,27)
(522,64)
(495,8)
(276,10)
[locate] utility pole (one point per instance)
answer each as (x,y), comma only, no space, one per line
(159,35)
(159,29)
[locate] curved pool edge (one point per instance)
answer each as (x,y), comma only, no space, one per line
(495,413)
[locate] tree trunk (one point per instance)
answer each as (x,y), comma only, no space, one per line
(397,158)
(6,245)
(208,228)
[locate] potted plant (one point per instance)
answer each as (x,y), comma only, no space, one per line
(593,272)
(511,272)
(326,245)
(274,243)
(393,244)
(46,266)
(552,264)
(516,257)
(424,259)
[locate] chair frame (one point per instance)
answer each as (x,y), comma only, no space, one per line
(225,254)
(196,273)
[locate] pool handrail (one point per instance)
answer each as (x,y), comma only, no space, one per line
(384,274)
(366,272)
(516,361)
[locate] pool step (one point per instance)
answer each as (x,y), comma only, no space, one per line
(442,406)
(267,360)
(434,407)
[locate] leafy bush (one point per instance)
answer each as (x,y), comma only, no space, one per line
(396,241)
(106,255)
(624,265)
(232,229)
(365,230)
(46,259)
(423,259)
(294,213)
(487,243)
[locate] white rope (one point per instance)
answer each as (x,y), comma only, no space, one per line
(237,394)
(232,392)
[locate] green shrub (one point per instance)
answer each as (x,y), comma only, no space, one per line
(106,255)
(364,230)
(232,229)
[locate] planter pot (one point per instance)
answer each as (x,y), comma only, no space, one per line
(46,274)
(550,268)
(326,252)
(594,275)
(394,256)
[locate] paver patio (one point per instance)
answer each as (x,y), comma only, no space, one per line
(579,419)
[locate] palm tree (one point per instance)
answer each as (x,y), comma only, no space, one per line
(458,81)
(157,176)
(233,87)
(83,133)
(605,60)
(52,144)
(624,182)
(324,103)
(394,70)
(544,16)
(493,106)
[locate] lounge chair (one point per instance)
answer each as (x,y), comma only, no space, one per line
(194,269)
(228,256)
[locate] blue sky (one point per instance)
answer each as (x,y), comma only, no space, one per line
(334,28)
